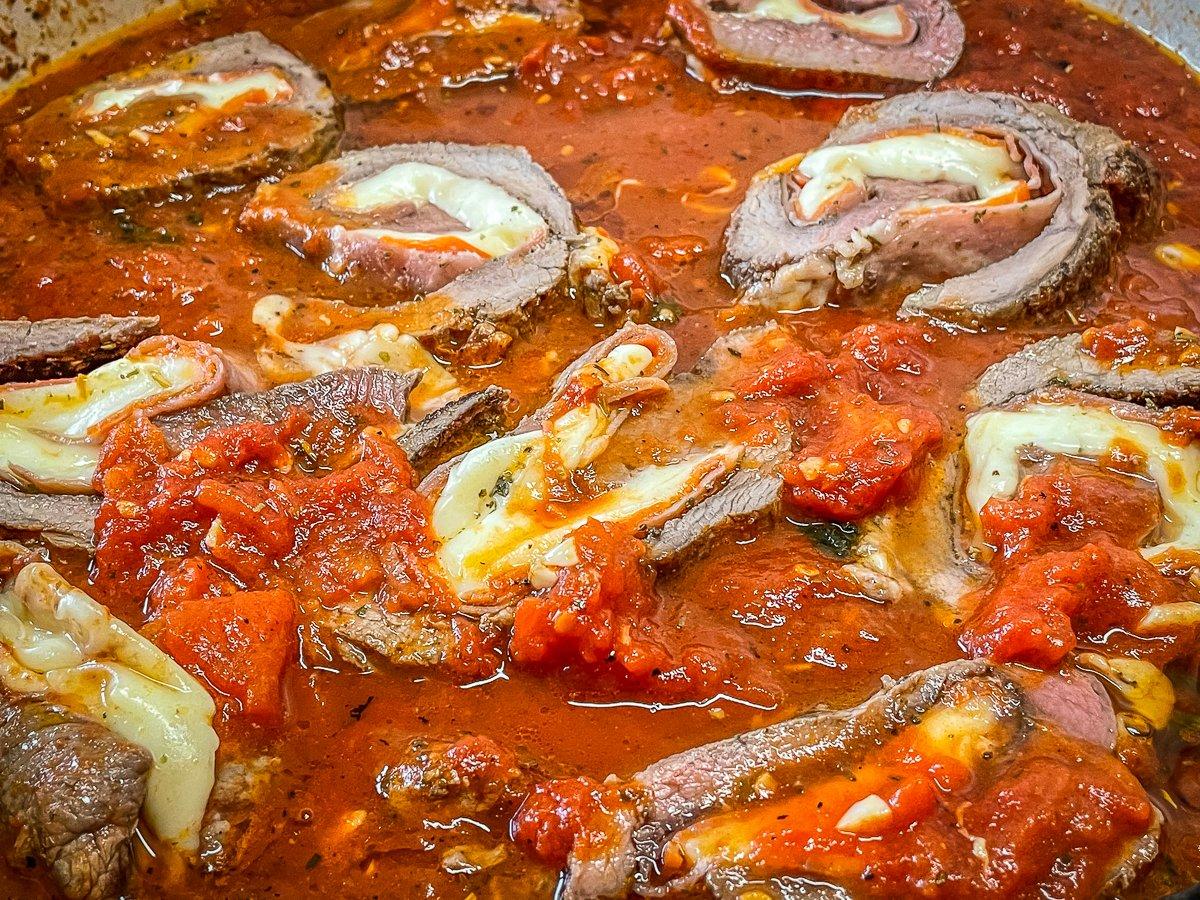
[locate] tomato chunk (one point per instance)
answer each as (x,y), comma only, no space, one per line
(1038,608)
(563,815)
(1065,509)
(240,644)
(862,454)
(855,444)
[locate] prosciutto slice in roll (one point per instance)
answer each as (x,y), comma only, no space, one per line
(982,207)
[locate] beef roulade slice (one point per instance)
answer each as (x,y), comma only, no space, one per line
(803,43)
(471,237)
(984,206)
(225,112)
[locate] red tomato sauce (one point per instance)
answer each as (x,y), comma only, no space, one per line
(763,627)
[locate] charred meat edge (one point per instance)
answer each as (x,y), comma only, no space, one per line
(72,791)
(60,348)
(1063,362)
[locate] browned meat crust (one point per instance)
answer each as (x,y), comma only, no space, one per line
(349,396)
(459,421)
(1062,362)
(65,520)
(72,791)
(58,348)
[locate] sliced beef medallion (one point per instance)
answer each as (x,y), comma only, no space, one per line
(57,348)
(71,792)
(381,49)
(989,206)
(806,43)
(222,112)
(474,236)
(966,775)
(1131,361)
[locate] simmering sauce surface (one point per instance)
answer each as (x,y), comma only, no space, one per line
(659,159)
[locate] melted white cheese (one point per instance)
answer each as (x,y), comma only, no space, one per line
(517,538)
(496,222)
(887,22)
(996,440)
(50,431)
(55,639)
(383,345)
(492,517)
(929,157)
(214,91)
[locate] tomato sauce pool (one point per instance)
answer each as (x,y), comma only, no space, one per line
(658,158)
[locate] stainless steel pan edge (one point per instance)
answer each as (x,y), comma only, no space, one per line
(34,33)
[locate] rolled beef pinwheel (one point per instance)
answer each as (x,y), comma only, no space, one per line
(988,205)
(224,112)
(795,43)
(476,234)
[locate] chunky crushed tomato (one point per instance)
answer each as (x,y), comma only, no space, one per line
(239,644)
(226,540)
(562,815)
(852,449)
(1067,569)
(601,615)
(1039,608)
(1136,342)
(1066,508)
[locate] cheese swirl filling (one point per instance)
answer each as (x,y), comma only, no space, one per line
(985,164)
(496,223)
(885,24)
(493,517)
(215,91)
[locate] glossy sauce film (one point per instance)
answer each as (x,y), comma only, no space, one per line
(659,159)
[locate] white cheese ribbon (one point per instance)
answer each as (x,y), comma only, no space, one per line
(496,222)
(997,438)
(984,164)
(383,345)
(49,431)
(885,23)
(214,91)
(56,640)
